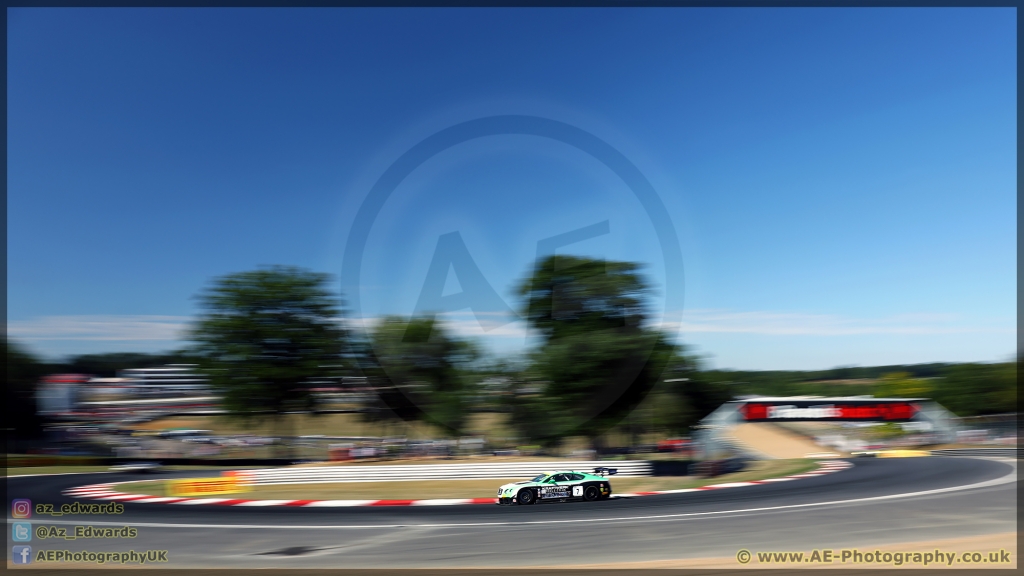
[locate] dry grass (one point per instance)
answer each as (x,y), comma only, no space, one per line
(774,441)
(476,488)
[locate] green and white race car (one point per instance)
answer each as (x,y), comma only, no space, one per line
(559,487)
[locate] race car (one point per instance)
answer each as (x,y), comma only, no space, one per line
(559,487)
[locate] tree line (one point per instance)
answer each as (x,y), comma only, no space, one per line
(267,338)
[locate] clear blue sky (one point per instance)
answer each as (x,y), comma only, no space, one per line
(842,181)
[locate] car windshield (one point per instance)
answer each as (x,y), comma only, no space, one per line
(539,478)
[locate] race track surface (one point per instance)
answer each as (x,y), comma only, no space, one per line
(878,501)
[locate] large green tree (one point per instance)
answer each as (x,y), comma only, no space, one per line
(596,359)
(419,368)
(974,389)
(266,337)
(685,395)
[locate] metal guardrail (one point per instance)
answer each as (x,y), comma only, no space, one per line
(387,473)
(992,452)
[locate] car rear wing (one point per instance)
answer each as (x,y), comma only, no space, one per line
(606,471)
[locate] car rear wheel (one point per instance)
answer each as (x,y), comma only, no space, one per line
(591,493)
(526,496)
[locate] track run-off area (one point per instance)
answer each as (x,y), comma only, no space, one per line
(876,502)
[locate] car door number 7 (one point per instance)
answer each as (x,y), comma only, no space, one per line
(577,491)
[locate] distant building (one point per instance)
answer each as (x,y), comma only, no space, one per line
(170,378)
(59,394)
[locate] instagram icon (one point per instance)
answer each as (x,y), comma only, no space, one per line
(21,508)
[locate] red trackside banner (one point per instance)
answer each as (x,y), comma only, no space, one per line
(813,410)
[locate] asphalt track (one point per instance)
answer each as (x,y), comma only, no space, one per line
(878,501)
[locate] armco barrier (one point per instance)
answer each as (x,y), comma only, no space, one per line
(386,473)
(991,452)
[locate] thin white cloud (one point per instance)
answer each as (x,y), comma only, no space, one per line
(464,323)
(494,325)
(99,327)
(490,329)
(793,324)
(767,323)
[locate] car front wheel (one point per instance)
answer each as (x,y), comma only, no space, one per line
(526,496)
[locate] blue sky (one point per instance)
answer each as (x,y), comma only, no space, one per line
(842,182)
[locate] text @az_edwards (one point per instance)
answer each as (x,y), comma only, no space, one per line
(877,557)
(84,532)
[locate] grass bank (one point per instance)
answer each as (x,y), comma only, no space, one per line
(478,488)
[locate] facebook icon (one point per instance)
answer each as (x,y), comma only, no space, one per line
(22,555)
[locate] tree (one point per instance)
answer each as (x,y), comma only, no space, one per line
(109,364)
(21,417)
(266,337)
(421,371)
(902,385)
(977,389)
(686,395)
(597,360)
(389,406)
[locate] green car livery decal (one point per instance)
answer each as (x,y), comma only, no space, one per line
(559,486)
